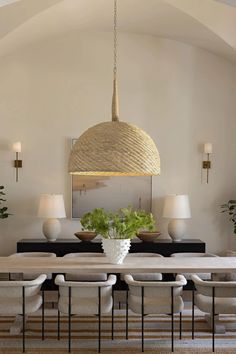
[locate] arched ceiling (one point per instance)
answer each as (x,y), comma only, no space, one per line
(191,21)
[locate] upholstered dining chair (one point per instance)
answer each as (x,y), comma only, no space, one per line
(29,276)
(82,276)
(214,297)
(85,276)
(22,297)
(86,298)
(206,276)
(140,277)
(145,276)
(146,298)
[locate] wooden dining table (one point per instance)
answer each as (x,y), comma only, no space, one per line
(130,265)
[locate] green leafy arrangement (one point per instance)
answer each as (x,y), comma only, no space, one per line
(3,210)
(230,208)
(123,224)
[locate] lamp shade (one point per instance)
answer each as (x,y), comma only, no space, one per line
(208,148)
(17,146)
(177,207)
(114,149)
(51,206)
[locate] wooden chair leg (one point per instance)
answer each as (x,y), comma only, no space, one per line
(112,316)
(58,318)
(172,319)
(69,322)
(99,319)
(180,325)
(42,314)
(127,314)
(23,313)
(193,314)
(142,319)
(213,318)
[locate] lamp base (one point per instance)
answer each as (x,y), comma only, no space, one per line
(51,229)
(177,229)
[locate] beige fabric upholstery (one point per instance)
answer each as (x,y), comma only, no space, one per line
(157,295)
(205,276)
(88,276)
(144,276)
(84,296)
(11,293)
(225,295)
(30,276)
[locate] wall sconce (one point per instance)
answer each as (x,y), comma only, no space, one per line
(207,164)
(17,162)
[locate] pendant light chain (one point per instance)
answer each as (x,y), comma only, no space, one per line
(114,148)
(115,103)
(115,37)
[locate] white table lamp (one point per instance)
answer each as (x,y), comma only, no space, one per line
(177,208)
(51,207)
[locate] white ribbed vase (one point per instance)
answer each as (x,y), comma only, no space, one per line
(116,249)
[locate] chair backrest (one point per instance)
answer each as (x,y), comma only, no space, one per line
(222,288)
(13,289)
(84,289)
(193,254)
(84,254)
(143,254)
(155,289)
(30,276)
(85,276)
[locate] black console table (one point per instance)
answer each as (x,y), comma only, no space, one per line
(61,247)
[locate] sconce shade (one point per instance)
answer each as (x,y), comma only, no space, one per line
(208,148)
(17,146)
(51,206)
(114,149)
(177,207)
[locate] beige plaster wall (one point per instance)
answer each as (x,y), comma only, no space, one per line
(182,96)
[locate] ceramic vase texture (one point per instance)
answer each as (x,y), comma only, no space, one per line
(116,249)
(177,229)
(51,229)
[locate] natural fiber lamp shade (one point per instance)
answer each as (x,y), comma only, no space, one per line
(114,149)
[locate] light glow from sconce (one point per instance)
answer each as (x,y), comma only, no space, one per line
(17,146)
(208,148)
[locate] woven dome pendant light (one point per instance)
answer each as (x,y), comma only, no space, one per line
(114,148)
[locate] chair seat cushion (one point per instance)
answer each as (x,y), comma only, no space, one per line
(147,276)
(222,305)
(27,276)
(203,276)
(13,306)
(144,276)
(154,306)
(82,306)
(86,277)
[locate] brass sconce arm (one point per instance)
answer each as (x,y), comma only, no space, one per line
(206,165)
